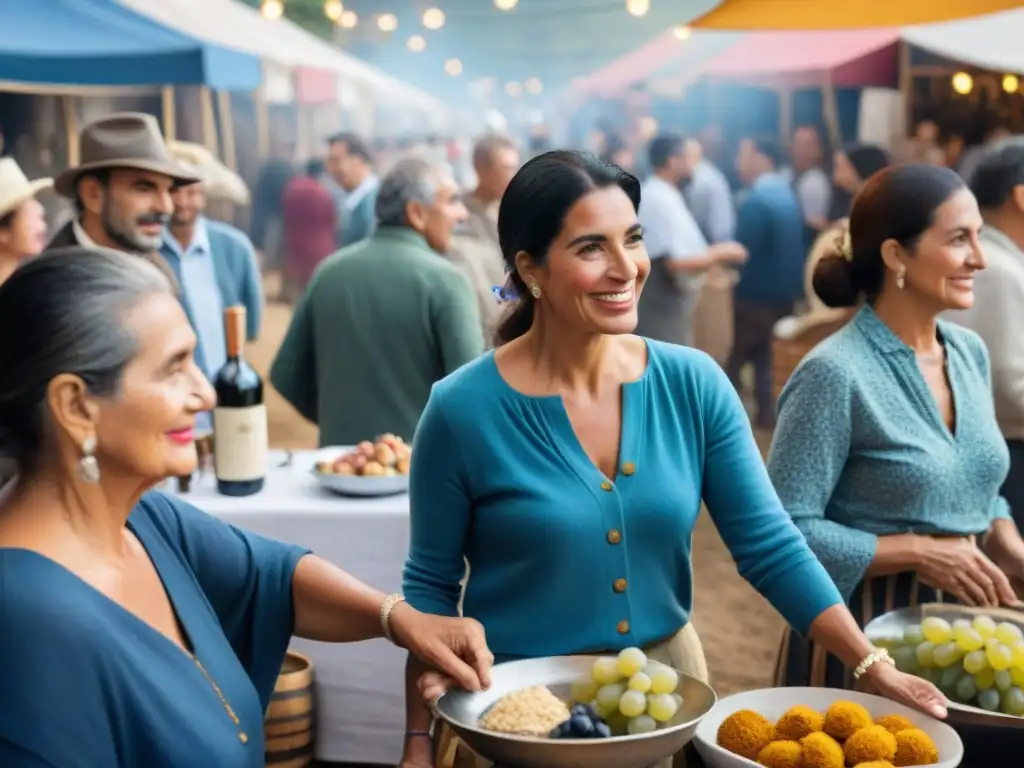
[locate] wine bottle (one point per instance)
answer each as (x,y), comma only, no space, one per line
(240,417)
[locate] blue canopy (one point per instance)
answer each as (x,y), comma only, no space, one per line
(102,43)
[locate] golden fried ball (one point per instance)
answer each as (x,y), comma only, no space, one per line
(915,747)
(781,754)
(797,722)
(894,723)
(875,764)
(868,744)
(844,718)
(821,751)
(745,733)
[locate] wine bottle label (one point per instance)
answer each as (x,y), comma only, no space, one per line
(240,442)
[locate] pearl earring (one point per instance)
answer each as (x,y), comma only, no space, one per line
(88,467)
(535,291)
(901,277)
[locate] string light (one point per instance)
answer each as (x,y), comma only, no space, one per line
(387,22)
(333,10)
(534,85)
(348,19)
(453,67)
(433,18)
(963,83)
(505,5)
(638,7)
(682,32)
(416,43)
(272,9)
(1011,83)
(514,89)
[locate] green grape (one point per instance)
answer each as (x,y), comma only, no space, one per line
(583,689)
(967,638)
(985,679)
(912,634)
(608,695)
(999,656)
(989,700)
(984,626)
(905,659)
(662,707)
(641,724)
(936,630)
(975,662)
(640,682)
(966,688)
(926,654)
(1008,633)
(949,677)
(605,671)
(1017,649)
(961,624)
(617,722)
(632,703)
(1003,680)
(631,661)
(946,655)
(678,699)
(1013,702)
(1017,675)
(664,680)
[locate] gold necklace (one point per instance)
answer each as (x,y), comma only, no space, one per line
(242,735)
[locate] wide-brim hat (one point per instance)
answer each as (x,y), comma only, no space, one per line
(220,181)
(15,187)
(124,140)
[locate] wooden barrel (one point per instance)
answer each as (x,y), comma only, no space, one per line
(289,722)
(787,353)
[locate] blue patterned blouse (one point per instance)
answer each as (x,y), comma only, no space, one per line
(861,449)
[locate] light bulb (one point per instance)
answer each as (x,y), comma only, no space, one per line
(682,32)
(416,43)
(333,9)
(387,22)
(1011,83)
(638,7)
(505,5)
(453,67)
(272,9)
(433,18)
(348,19)
(514,89)
(534,85)
(963,83)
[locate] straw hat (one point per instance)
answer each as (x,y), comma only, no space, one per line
(221,182)
(124,140)
(15,188)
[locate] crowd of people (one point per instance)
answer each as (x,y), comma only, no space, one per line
(566,433)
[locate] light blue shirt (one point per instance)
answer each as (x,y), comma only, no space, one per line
(669,228)
(710,200)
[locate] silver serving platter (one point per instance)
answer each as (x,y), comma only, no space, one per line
(890,626)
(462,710)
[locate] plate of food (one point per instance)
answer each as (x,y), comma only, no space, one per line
(822,728)
(620,711)
(378,467)
(974,655)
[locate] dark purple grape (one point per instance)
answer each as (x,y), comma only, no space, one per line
(581,726)
(561,730)
(602,731)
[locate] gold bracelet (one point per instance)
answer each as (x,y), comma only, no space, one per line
(879,655)
(386,608)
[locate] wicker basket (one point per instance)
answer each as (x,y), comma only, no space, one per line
(289,721)
(787,353)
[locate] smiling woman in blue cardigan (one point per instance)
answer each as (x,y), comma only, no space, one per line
(568,467)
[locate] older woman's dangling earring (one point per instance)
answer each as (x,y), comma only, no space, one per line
(88,467)
(901,277)
(535,291)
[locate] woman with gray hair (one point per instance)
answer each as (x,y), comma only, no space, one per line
(138,629)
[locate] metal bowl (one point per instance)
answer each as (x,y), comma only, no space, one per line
(462,710)
(890,626)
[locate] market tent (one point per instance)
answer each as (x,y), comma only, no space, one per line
(995,41)
(840,58)
(842,14)
(101,43)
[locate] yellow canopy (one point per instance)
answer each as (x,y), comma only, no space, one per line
(842,14)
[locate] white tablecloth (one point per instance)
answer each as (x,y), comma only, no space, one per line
(360,686)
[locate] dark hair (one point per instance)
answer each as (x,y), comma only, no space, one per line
(770,148)
(663,148)
(315,167)
(353,145)
(533,211)
(867,159)
(102,175)
(67,304)
(897,203)
(1000,170)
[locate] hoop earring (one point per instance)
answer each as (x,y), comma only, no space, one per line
(535,291)
(901,277)
(88,467)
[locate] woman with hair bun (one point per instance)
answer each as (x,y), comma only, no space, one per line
(887,454)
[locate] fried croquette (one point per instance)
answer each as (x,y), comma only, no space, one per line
(821,751)
(781,754)
(915,747)
(871,743)
(875,764)
(894,723)
(845,718)
(797,722)
(745,733)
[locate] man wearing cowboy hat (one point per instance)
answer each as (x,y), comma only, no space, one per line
(122,187)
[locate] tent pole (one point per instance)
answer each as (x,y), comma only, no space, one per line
(785,115)
(209,120)
(259,98)
(70,108)
(169,109)
(906,89)
(227,129)
(830,110)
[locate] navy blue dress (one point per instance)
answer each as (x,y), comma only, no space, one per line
(86,684)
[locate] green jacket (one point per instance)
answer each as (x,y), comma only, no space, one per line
(380,322)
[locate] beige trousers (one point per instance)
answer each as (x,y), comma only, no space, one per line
(682,651)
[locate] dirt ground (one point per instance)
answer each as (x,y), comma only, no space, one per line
(740,631)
